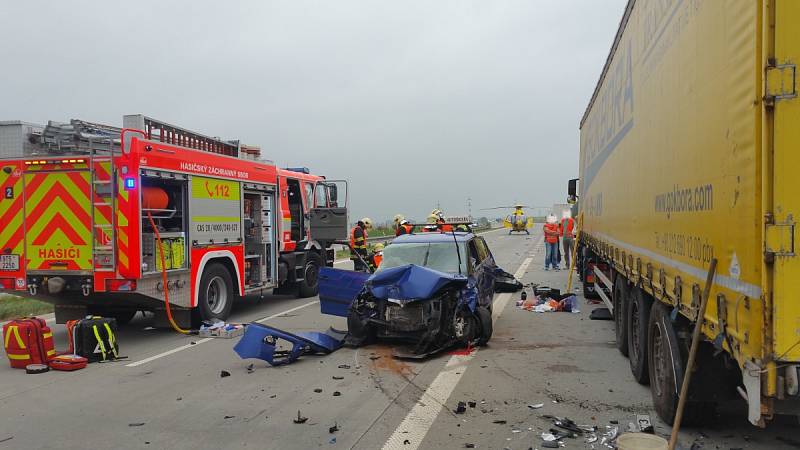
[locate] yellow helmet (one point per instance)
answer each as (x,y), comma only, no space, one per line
(378,247)
(398,218)
(432,218)
(367,222)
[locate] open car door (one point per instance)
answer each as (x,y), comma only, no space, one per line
(328,217)
(338,288)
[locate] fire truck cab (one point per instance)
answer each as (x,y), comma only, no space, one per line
(100,216)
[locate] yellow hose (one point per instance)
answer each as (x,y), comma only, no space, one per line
(164,276)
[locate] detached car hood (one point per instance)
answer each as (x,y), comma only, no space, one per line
(339,288)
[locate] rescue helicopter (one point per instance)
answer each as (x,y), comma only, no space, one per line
(517,221)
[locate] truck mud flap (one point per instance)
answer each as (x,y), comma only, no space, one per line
(338,288)
(271,344)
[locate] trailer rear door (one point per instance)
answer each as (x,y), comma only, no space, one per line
(58,220)
(781,84)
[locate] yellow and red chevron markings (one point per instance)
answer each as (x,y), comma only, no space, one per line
(123,245)
(12,231)
(58,221)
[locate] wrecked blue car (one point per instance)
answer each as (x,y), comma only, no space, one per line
(432,291)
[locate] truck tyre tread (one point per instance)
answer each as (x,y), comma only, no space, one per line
(663,352)
(638,313)
(620,300)
(309,287)
(219,272)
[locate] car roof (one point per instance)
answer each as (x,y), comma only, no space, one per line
(432,237)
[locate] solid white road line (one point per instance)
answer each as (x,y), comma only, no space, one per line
(419,420)
(204,340)
(167,353)
(287,311)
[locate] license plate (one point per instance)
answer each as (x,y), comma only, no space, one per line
(9,262)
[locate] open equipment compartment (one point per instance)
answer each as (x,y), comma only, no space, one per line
(257,218)
(168,192)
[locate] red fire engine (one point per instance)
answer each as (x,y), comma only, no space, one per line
(80,225)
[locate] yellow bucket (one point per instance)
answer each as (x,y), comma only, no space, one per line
(641,441)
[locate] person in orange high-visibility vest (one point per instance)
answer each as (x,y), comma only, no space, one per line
(405,227)
(358,244)
(551,243)
(566,229)
(444,227)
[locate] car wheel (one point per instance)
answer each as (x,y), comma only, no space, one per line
(620,300)
(309,287)
(485,321)
(215,298)
(465,327)
(638,315)
(359,331)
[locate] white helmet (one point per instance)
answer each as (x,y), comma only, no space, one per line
(551,219)
(404,222)
(566,214)
(367,222)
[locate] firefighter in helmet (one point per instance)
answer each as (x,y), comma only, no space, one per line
(397,220)
(376,257)
(404,228)
(358,244)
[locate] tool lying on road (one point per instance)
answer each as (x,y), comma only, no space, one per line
(28,341)
(264,342)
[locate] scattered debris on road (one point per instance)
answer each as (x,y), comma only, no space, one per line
(318,390)
(224,373)
(335,377)
(337,393)
(536,406)
(136,424)
(300,419)
(461,408)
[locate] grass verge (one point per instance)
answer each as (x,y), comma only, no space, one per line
(12,307)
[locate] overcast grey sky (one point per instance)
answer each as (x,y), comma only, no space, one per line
(414,102)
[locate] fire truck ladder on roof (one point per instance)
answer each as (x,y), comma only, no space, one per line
(98,142)
(156,130)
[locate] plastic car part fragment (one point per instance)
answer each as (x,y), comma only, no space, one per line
(267,343)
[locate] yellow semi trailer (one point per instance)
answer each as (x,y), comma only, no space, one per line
(690,150)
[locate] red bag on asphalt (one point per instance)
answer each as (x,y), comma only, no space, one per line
(68,363)
(28,341)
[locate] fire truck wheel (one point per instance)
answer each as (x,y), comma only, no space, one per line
(215,298)
(638,317)
(309,287)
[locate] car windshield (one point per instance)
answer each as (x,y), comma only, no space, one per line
(441,256)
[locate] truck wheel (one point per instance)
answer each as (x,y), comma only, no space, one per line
(215,298)
(667,368)
(620,300)
(638,313)
(485,322)
(309,287)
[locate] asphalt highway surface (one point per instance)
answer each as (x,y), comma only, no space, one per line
(169,392)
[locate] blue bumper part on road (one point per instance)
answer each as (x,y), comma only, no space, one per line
(267,343)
